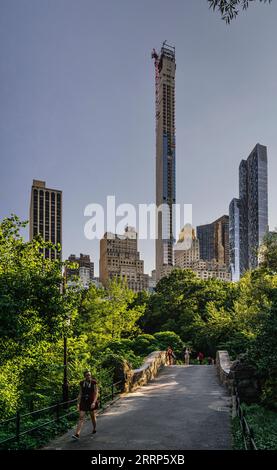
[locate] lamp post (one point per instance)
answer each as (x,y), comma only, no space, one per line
(65,381)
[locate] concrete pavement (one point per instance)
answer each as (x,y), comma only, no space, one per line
(184,407)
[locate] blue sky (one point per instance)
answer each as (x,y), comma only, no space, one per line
(77,104)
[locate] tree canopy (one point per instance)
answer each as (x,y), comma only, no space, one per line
(229,9)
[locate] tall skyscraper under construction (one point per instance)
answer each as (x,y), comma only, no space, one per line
(165,67)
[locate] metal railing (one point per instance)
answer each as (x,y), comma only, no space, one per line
(54,414)
(247,432)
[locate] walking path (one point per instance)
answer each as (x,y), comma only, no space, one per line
(184,407)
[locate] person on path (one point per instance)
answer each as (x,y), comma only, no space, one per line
(87,402)
(170,355)
(187,356)
(200,357)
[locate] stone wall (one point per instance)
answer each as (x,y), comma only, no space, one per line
(149,369)
(244,377)
(223,366)
(238,374)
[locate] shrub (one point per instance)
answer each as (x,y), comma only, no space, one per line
(169,338)
(145,344)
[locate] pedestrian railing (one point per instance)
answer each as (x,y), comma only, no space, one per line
(105,395)
(19,425)
(247,432)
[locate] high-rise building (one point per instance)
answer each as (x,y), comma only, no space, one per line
(211,269)
(214,240)
(257,201)
(165,156)
(234,238)
(252,208)
(119,257)
(46,216)
(185,257)
(189,258)
(85,268)
(243,217)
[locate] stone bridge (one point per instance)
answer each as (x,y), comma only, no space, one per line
(183,407)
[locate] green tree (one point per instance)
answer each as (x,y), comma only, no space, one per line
(229,9)
(263,351)
(33,318)
(268,252)
(30,286)
(181,302)
(109,314)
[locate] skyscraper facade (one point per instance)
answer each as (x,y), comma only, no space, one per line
(185,257)
(165,67)
(253,189)
(189,258)
(119,257)
(214,240)
(243,216)
(46,216)
(234,238)
(85,268)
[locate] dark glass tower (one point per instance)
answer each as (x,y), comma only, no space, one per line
(243,211)
(165,154)
(254,205)
(252,210)
(214,240)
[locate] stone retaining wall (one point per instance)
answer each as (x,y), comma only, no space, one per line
(238,374)
(146,372)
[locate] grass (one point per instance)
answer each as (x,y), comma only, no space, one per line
(264,425)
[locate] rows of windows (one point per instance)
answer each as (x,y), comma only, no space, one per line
(47,217)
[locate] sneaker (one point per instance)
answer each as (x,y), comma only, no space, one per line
(94,431)
(75,436)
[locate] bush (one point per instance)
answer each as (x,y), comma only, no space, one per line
(117,366)
(145,344)
(119,347)
(269,393)
(169,338)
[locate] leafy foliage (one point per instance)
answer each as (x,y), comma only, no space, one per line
(229,9)
(264,425)
(268,252)
(115,326)
(107,315)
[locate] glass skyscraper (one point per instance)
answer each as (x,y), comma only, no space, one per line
(214,240)
(252,208)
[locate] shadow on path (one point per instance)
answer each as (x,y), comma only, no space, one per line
(184,407)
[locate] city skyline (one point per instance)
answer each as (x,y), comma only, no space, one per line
(52,113)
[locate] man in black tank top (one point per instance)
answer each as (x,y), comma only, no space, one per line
(87,402)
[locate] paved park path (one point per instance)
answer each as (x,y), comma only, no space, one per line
(184,407)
